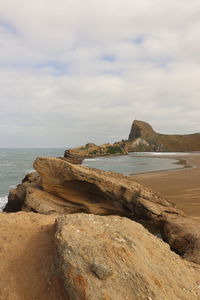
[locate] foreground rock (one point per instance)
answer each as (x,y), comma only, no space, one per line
(27,268)
(114,258)
(64,188)
(100,192)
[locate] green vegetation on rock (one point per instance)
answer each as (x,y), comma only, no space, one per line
(114,150)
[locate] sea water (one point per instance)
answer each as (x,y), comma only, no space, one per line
(134,163)
(16,163)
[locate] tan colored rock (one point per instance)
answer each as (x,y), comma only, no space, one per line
(100,192)
(65,188)
(27,259)
(71,158)
(113,258)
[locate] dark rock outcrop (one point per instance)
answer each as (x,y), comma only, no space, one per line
(73,159)
(141,129)
(17,196)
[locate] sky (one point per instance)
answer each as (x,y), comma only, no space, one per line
(74,71)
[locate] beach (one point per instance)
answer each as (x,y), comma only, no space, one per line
(180,186)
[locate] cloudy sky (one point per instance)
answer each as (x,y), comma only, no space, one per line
(77,71)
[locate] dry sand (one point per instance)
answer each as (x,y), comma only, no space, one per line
(181,187)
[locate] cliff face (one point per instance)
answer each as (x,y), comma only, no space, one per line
(142,137)
(141,129)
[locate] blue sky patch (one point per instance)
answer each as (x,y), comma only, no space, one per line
(8,27)
(109,58)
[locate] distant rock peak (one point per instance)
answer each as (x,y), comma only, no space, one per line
(141,129)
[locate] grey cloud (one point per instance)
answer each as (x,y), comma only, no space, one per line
(57,88)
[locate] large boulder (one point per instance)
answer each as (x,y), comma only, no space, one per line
(110,257)
(101,192)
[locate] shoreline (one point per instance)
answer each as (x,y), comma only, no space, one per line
(184,166)
(179,186)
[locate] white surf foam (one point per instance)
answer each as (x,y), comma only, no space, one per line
(3,201)
(91,159)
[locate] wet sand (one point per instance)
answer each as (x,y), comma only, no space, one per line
(180,186)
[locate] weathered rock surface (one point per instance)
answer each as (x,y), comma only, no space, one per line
(100,192)
(109,257)
(73,159)
(17,196)
(183,235)
(27,258)
(64,188)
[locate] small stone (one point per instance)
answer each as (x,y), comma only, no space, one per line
(101,271)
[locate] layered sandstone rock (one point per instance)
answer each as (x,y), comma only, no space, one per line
(73,159)
(100,192)
(64,188)
(114,258)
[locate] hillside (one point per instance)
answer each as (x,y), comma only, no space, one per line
(142,137)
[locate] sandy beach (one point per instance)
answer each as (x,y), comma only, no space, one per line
(180,186)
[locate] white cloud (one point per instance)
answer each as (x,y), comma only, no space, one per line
(78,71)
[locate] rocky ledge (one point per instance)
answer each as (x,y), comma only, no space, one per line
(89,257)
(60,187)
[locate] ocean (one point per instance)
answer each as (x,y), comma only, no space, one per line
(16,163)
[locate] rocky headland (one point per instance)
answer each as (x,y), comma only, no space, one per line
(142,137)
(92,150)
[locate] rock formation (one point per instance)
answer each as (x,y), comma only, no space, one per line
(64,188)
(86,257)
(113,258)
(64,185)
(142,137)
(141,129)
(92,150)
(73,159)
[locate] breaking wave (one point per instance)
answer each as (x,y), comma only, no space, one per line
(3,201)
